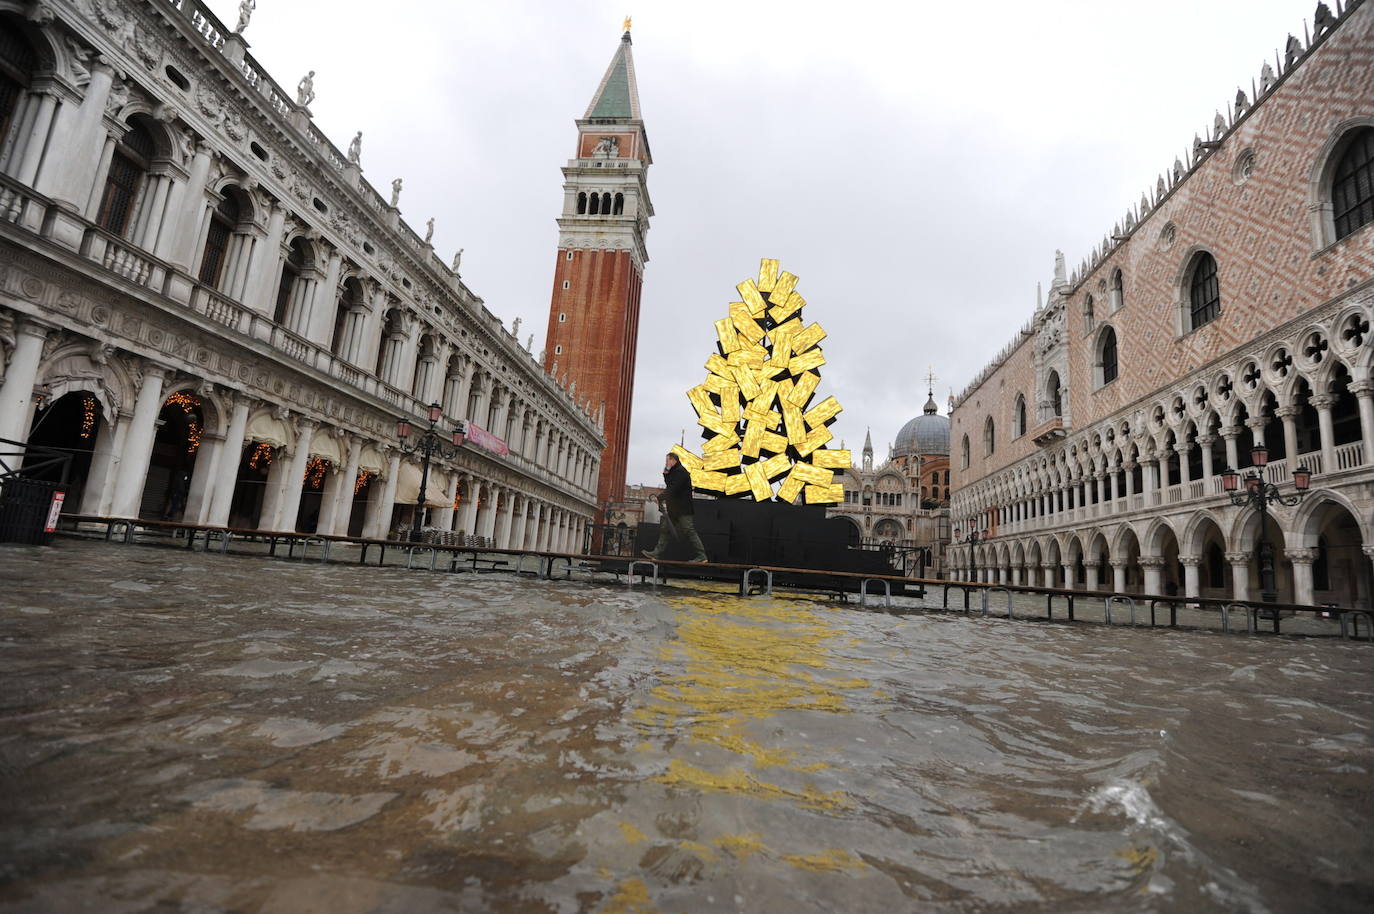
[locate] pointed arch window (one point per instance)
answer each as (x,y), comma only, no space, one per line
(1107,367)
(594,204)
(1352,186)
(1055,394)
(582,203)
(963,453)
(989,437)
(1204,292)
(1117,289)
(132,158)
(606,204)
(619,206)
(1018,417)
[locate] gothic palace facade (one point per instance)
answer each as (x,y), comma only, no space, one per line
(202,295)
(1233,307)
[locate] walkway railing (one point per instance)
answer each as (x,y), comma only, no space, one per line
(469,558)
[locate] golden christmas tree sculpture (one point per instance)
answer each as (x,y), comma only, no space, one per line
(755,405)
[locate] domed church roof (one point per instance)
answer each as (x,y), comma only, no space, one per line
(927,434)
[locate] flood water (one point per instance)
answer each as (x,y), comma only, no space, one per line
(205,733)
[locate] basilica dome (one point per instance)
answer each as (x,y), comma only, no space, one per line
(926,435)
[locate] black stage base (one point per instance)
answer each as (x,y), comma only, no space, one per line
(778,535)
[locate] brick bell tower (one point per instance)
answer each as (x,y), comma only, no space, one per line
(594,315)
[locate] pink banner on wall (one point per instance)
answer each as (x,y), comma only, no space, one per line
(486,440)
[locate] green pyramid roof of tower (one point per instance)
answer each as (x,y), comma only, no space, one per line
(618,95)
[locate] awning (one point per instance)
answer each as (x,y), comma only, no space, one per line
(267,428)
(371,460)
(326,447)
(408,486)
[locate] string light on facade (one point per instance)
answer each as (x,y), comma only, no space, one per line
(315,470)
(262,456)
(755,404)
(87,417)
(364,477)
(190,404)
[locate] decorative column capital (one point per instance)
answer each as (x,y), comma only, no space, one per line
(1363,388)
(1322,401)
(1192,561)
(1151,561)
(1238,558)
(1302,556)
(1287,412)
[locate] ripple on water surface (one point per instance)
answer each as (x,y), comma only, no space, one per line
(238,734)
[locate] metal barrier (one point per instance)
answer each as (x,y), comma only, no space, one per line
(1112,601)
(887,592)
(1355,616)
(630,572)
(410,555)
(768,581)
(1250,616)
(988,591)
(520,563)
(567,567)
(1173,612)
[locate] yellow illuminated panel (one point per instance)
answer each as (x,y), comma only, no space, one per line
(764,375)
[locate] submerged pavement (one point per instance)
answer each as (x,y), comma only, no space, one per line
(190,732)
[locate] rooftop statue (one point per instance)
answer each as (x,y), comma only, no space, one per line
(457,260)
(246,8)
(305,89)
(355,149)
(429,230)
(395,193)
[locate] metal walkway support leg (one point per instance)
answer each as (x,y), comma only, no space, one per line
(1355,615)
(630,572)
(767,577)
(1011,611)
(1129,602)
(887,592)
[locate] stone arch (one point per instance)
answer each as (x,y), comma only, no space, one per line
(1304,529)
(1156,536)
(1195,533)
(88,366)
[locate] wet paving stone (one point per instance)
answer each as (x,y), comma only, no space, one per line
(181,731)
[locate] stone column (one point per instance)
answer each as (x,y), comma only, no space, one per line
(227,469)
(1302,560)
(269,515)
(132,474)
(265,275)
(1240,574)
(1205,443)
(295,483)
(506,540)
(443,517)
(66,175)
(1229,435)
(1184,472)
(1289,416)
(393,476)
(100,480)
(517,536)
(1364,394)
(102,169)
(486,515)
(1153,566)
(1069,582)
(208,456)
(33,135)
(1323,403)
(1191,587)
(16,393)
(1092,579)
(1256,426)
(467,511)
(1119,577)
(177,244)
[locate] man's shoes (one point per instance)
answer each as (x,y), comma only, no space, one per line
(700,561)
(649,555)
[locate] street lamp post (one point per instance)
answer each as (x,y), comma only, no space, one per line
(429,444)
(1259,494)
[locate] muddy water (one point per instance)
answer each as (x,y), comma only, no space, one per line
(190,732)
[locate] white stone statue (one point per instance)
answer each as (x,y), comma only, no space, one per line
(515,328)
(529,343)
(246,8)
(457,260)
(395,193)
(305,89)
(429,230)
(355,149)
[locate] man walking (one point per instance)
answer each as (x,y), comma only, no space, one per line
(678,513)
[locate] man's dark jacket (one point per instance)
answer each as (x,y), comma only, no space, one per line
(677,491)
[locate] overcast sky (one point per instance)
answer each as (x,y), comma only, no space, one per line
(916,164)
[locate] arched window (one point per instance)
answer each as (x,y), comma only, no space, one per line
(16,68)
(963,453)
(350,300)
(989,437)
(619,204)
(1204,292)
(1089,312)
(1352,185)
(1018,416)
(222,222)
(1055,394)
(1118,291)
(128,166)
(606,204)
(594,204)
(582,203)
(290,274)
(393,337)
(1106,357)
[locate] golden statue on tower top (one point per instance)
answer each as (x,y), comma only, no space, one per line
(627,23)
(755,405)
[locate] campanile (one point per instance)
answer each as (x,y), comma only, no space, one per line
(594,315)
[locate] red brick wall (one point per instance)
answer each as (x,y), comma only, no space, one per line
(599,341)
(1271,265)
